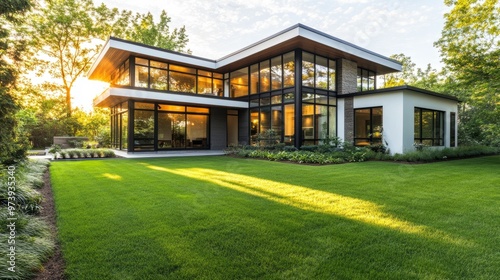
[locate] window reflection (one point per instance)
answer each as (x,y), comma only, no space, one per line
(239,82)
(368,126)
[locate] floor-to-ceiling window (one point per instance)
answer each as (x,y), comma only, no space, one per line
(272,97)
(144,126)
(368,126)
(119,126)
(182,127)
(319,111)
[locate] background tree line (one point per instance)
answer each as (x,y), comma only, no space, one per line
(470,50)
(57,40)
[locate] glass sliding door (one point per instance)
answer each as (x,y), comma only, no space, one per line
(196,131)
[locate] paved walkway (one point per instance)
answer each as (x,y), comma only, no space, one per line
(194,153)
(160,154)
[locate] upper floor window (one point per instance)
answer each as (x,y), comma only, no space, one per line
(163,76)
(366,80)
(273,74)
(318,72)
(121,76)
(239,82)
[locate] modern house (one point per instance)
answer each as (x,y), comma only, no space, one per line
(304,84)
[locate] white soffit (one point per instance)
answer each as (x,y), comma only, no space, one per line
(171,97)
(346,47)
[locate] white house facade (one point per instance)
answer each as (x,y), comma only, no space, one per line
(305,85)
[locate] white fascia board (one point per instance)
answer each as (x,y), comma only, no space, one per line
(99,58)
(172,97)
(348,48)
(101,97)
(133,48)
(258,47)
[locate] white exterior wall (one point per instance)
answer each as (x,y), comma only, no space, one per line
(398,115)
(414,99)
(392,120)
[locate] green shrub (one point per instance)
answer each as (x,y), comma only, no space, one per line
(289,149)
(33,245)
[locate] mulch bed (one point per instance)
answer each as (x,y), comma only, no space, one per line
(53,268)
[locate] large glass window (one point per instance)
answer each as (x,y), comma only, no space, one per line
(265,74)
(122,75)
(277,119)
(289,124)
(141,76)
(162,76)
(196,131)
(276,73)
(321,72)
(254,79)
(289,69)
(318,72)
(429,127)
(182,127)
(124,130)
(453,123)
(365,80)
(182,82)
(159,79)
(307,69)
(332,75)
(144,130)
(204,85)
(368,126)
(239,82)
(254,125)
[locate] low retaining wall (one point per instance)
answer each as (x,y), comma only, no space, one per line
(65,141)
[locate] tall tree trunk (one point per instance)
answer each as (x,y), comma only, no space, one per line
(68,102)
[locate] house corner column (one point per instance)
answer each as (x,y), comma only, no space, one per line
(347,83)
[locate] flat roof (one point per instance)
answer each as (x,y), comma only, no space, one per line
(116,50)
(400,88)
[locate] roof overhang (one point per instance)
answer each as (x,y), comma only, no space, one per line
(115,51)
(113,96)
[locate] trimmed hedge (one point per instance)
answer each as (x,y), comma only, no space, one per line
(323,154)
(85,153)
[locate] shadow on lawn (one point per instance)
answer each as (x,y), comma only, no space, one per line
(314,200)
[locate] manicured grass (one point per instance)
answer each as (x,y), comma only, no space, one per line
(230,218)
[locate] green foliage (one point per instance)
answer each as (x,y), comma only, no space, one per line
(33,240)
(143,28)
(13,143)
(232,218)
(470,48)
(62,37)
(33,245)
(428,154)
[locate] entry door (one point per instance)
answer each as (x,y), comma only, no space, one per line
(232,130)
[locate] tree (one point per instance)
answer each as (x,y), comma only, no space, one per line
(65,37)
(406,76)
(143,29)
(12,145)
(470,49)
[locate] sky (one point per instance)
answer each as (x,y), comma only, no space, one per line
(217,28)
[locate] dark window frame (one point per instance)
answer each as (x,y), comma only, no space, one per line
(370,139)
(435,141)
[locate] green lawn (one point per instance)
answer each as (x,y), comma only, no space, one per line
(230,218)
